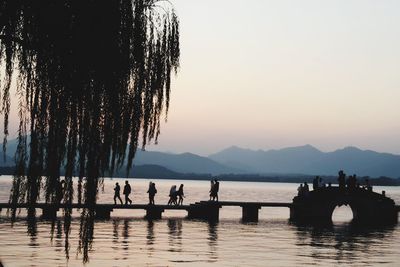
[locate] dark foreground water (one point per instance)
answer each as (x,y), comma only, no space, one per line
(129,240)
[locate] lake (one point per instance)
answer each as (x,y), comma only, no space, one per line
(129,240)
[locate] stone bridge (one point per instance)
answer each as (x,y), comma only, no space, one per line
(368,207)
(315,207)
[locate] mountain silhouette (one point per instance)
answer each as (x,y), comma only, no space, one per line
(309,160)
(235,160)
(180,163)
(184,163)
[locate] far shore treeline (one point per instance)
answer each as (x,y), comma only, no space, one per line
(159,172)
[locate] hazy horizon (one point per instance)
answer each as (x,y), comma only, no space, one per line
(154,149)
(273,74)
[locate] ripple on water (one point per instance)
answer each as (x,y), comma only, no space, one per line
(173,241)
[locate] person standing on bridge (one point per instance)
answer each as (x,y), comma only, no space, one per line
(321,183)
(300,190)
(211,190)
(306,189)
(215,190)
(117,190)
(315,183)
(127,192)
(60,191)
(342,180)
(152,192)
(367,185)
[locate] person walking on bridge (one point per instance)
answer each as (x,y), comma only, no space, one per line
(117,190)
(127,192)
(173,196)
(180,194)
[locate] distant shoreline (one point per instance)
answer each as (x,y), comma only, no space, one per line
(144,172)
(384,181)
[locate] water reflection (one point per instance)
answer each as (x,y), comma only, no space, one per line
(182,240)
(175,235)
(58,242)
(125,241)
(150,234)
(342,243)
(175,241)
(32,226)
(125,233)
(213,240)
(115,223)
(150,238)
(67,230)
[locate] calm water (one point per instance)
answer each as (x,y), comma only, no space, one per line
(128,240)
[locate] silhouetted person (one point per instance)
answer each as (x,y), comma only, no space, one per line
(152,192)
(215,190)
(315,183)
(117,191)
(351,182)
(321,183)
(306,189)
(60,191)
(300,190)
(127,192)
(368,186)
(211,189)
(173,194)
(180,195)
(342,179)
(348,181)
(355,182)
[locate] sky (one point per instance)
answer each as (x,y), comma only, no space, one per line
(264,74)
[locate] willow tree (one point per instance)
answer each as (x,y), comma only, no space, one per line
(92,80)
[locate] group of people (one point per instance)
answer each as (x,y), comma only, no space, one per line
(127,191)
(175,196)
(303,190)
(319,183)
(350,183)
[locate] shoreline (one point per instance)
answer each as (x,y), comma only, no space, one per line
(382,181)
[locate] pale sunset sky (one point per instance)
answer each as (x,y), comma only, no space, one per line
(264,74)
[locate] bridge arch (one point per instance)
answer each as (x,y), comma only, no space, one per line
(342,214)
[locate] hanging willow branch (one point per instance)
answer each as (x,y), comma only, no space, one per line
(93,77)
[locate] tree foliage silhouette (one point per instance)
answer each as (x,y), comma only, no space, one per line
(92,78)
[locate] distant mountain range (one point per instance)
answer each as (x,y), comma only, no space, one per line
(309,160)
(306,160)
(184,163)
